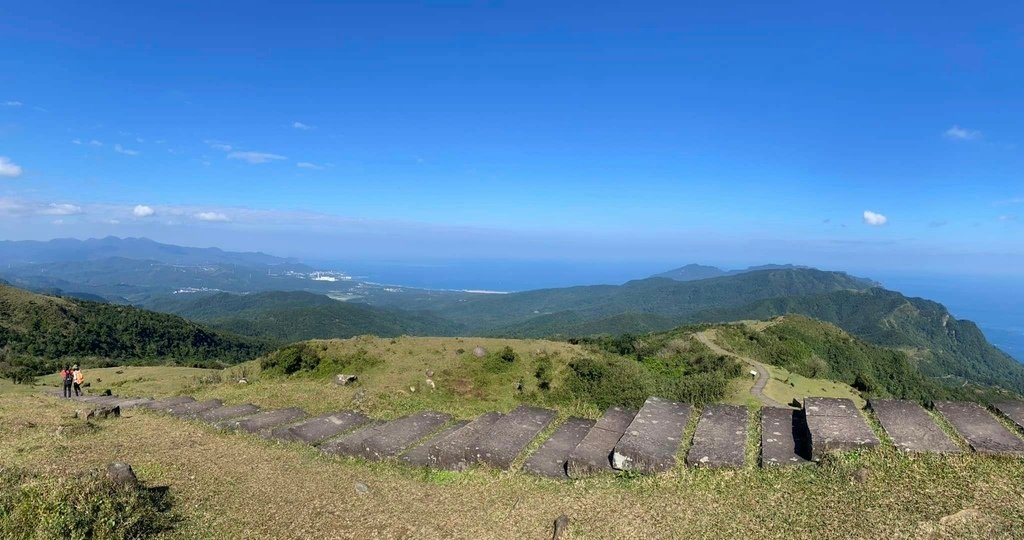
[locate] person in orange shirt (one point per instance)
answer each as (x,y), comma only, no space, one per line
(78,379)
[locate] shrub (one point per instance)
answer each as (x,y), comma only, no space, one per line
(79,506)
(508,355)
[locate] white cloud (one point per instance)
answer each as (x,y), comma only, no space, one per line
(1007,202)
(76,141)
(211,216)
(122,150)
(307,165)
(139,140)
(958,133)
(217,145)
(255,157)
(94,142)
(61,209)
(1007,218)
(13,103)
(8,169)
(142,211)
(300,125)
(874,219)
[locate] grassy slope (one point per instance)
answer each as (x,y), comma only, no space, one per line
(233,486)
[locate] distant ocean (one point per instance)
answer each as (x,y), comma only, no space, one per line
(996,304)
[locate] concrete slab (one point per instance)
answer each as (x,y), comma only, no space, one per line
(1014,410)
(316,430)
(265,420)
(510,435)
(419,455)
(455,451)
(835,424)
(352,443)
(651,441)
(911,428)
(721,437)
(191,410)
(549,460)
(981,430)
(396,436)
(227,412)
(594,453)
(784,437)
(167,402)
(134,403)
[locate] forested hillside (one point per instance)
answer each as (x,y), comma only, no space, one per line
(37,331)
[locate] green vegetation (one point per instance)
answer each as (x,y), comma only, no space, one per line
(79,505)
(296,316)
(38,333)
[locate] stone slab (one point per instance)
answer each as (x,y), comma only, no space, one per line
(549,460)
(455,451)
(419,455)
(911,428)
(161,404)
(227,412)
(594,453)
(784,437)
(191,410)
(652,439)
(352,443)
(1014,410)
(319,429)
(510,435)
(980,429)
(264,420)
(396,436)
(721,437)
(134,402)
(836,425)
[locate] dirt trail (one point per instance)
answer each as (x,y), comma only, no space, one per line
(707,338)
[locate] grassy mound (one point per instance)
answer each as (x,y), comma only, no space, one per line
(86,505)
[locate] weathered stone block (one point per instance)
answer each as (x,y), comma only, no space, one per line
(835,424)
(784,437)
(911,428)
(352,443)
(265,420)
(321,428)
(510,435)
(721,437)
(419,455)
(228,412)
(594,453)
(455,451)
(549,460)
(981,430)
(191,410)
(651,440)
(1014,410)
(393,438)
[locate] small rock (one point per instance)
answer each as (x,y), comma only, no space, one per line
(362,488)
(412,389)
(430,383)
(342,379)
(121,473)
(119,372)
(561,524)
(479,352)
(243,381)
(430,374)
(861,475)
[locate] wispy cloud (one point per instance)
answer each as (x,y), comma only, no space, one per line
(300,125)
(61,209)
(1007,218)
(938,223)
(874,219)
(122,150)
(211,216)
(8,169)
(94,142)
(958,133)
(76,141)
(217,145)
(255,157)
(142,211)
(1008,202)
(13,104)
(308,165)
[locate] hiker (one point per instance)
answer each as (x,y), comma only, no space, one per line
(68,378)
(78,378)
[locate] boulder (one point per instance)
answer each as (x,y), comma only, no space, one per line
(479,352)
(122,474)
(342,379)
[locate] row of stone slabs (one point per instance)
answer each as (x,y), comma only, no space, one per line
(647,440)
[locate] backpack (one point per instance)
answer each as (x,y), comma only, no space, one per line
(68,376)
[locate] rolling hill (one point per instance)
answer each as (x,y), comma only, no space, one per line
(297,315)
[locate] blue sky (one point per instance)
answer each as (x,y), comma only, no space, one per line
(672,132)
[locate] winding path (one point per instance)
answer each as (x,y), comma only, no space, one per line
(707,338)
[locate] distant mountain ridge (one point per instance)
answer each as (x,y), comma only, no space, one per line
(74,250)
(694,272)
